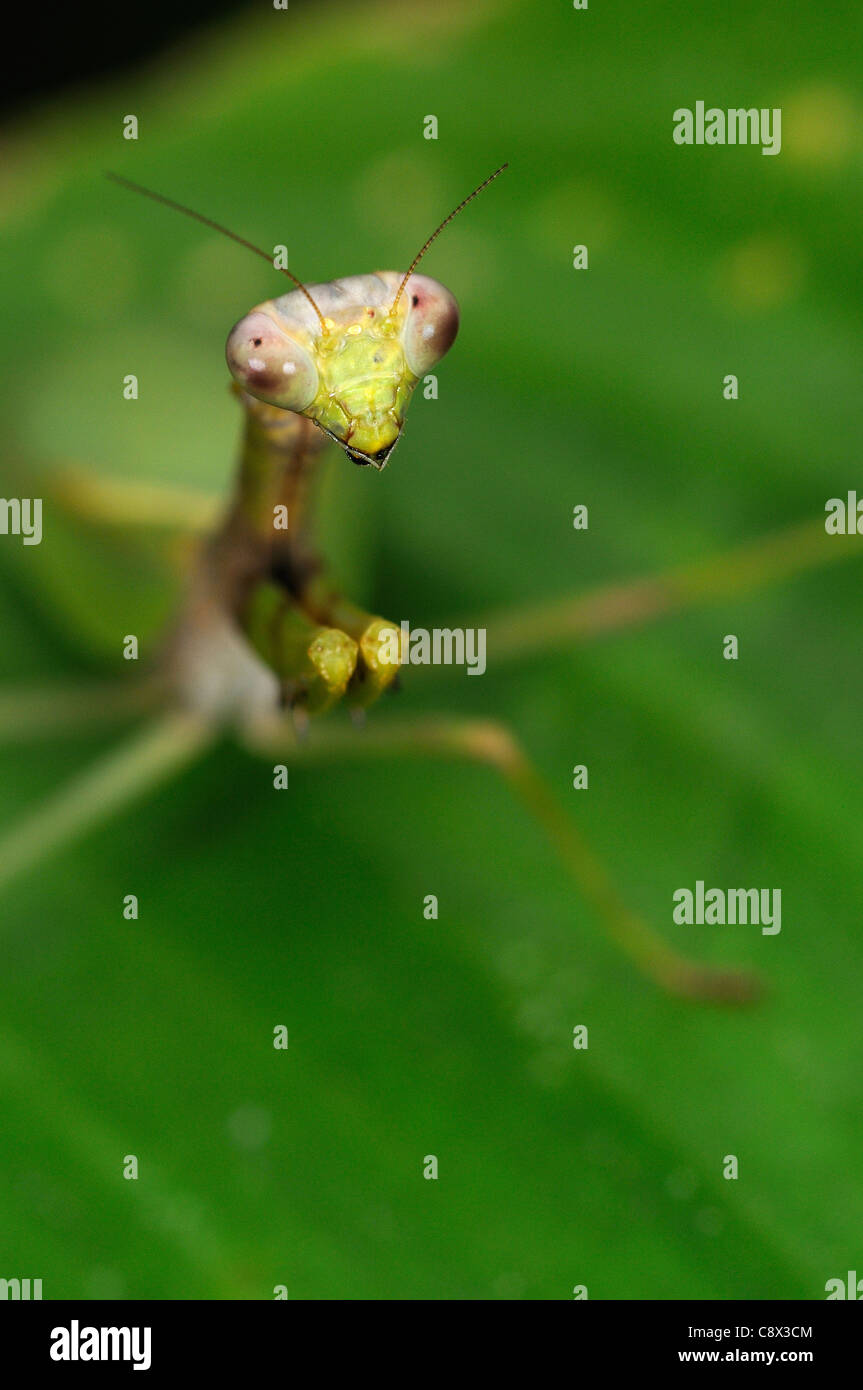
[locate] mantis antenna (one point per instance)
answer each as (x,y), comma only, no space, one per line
(217,227)
(435,234)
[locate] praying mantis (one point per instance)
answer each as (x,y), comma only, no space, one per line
(264,644)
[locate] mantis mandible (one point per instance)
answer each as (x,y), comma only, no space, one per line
(264,641)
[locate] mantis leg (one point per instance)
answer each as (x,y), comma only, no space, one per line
(36,712)
(125,502)
(495,746)
(43,711)
(122,776)
(734,573)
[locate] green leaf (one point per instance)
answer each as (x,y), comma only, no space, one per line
(453,1037)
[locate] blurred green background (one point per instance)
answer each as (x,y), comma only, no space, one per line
(454,1037)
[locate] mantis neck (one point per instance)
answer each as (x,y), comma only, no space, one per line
(275,490)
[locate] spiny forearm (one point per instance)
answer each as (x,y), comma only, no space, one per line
(320,646)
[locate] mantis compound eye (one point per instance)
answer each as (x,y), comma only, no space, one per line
(431,323)
(269,364)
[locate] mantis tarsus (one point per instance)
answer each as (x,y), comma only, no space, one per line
(264,641)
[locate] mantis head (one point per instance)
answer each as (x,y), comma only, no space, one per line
(353,370)
(346,354)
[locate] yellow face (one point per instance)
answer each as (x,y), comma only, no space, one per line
(354,373)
